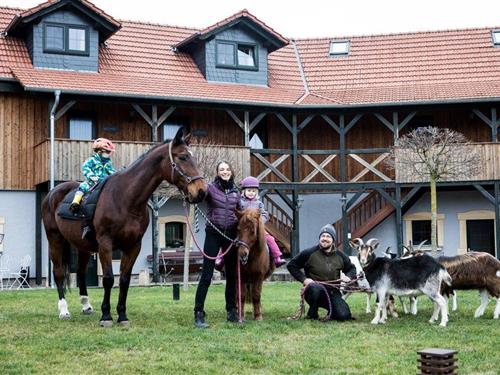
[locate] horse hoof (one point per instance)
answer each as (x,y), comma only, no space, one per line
(106,323)
(124,323)
(88,311)
(65,316)
(258,318)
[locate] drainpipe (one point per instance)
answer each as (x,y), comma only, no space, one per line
(57,94)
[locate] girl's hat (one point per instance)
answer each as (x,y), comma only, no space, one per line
(249,182)
(103,144)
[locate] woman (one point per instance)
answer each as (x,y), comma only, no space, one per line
(222,200)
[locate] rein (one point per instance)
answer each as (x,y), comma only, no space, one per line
(336,284)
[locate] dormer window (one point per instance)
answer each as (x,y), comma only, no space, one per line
(496,37)
(339,48)
(236,55)
(66,39)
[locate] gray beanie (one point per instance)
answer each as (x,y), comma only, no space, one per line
(328,228)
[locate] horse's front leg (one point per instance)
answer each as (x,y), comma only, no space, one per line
(126,264)
(81,273)
(105,256)
(256,293)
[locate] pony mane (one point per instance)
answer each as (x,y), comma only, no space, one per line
(249,216)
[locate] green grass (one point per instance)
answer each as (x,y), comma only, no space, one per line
(162,339)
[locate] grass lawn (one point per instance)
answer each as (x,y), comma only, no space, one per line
(162,339)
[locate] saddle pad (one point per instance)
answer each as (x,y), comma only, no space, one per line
(87,207)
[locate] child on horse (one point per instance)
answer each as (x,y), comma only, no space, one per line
(250,199)
(95,169)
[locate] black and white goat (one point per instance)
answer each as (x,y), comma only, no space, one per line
(402,277)
(474,270)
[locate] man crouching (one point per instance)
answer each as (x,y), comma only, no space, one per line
(323,263)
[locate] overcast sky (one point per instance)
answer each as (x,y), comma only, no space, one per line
(311,18)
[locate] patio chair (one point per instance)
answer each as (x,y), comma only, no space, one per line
(21,278)
(5,272)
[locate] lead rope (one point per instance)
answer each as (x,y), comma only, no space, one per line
(334,284)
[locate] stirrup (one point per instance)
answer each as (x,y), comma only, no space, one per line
(86,231)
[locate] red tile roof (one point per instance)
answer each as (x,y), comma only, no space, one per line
(414,68)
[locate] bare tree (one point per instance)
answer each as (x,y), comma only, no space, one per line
(434,154)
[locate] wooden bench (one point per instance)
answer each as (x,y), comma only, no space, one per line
(172,261)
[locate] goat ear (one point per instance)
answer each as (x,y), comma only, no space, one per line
(373,243)
(356,243)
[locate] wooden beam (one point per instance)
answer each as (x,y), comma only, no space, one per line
(409,195)
(271,167)
(332,123)
(384,121)
(246,129)
(369,167)
(353,122)
(387,197)
(497,218)
(319,168)
(485,193)
(64,109)
(354,198)
(256,120)
(285,198)
(284,122)
(236,119)
(166,115)
(304,123)
(407,120)
(143,114)
(485,119)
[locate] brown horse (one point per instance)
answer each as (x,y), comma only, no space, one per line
(256,265)
(120,220)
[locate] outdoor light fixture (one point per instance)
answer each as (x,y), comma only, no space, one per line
(300,200)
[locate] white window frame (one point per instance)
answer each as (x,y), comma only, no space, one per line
(495,37)
(339,52)
(163,220)
(2,231)
(417,216)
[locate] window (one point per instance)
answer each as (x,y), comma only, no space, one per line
(171,126)
(236,55)
(496,37)
(418,229)
(339,48)
(67,39)
(421,230)
(174,235)
(81,128)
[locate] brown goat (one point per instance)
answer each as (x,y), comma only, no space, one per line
(474,270)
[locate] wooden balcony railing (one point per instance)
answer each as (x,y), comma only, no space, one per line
(70,154)
(280,224)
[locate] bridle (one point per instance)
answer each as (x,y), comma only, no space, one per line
(175,168)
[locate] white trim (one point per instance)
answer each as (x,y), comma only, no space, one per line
(2,231)
(462,225)
(409,218)
(173,219)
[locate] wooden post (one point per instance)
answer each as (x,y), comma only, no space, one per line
(399,221)
(497,218)
(187,248)
(156,237)
(38,235)
(437,361)
(295,178)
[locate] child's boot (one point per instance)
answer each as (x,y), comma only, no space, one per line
(75,205)
(279,261)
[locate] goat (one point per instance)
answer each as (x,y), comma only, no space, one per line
(474,270)
(412,276)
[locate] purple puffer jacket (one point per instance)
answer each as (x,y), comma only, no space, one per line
(222,205)
(254,203)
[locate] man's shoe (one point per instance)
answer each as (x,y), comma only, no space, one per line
(312,315)
(232,316)
(199,319)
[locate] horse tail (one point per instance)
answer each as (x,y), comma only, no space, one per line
(248,296)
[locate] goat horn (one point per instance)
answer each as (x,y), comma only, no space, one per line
(357,241)
(419,247)
(372,242)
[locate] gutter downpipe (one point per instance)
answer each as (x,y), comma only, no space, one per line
(57,94)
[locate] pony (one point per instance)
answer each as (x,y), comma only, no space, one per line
(256,265)
(120,221)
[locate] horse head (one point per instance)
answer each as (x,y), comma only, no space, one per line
(182,169)
(251,233)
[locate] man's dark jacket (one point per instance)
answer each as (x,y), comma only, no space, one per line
(320,266)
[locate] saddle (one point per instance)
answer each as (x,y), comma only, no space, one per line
(87,206)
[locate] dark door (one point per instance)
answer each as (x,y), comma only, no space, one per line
(91,277)
(481,235)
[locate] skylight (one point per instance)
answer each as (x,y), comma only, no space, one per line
(496,37)
(339,47)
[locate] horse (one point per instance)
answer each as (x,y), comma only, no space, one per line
(120,221)
(256,265)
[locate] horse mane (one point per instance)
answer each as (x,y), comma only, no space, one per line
(254,214)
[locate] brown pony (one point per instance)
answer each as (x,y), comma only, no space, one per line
(120,220)
(255,261)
